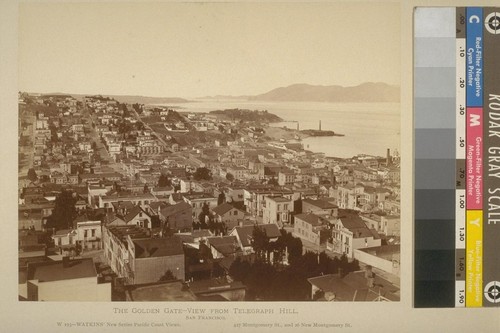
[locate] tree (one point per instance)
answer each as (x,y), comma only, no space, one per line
(202,217)
(273,181)
(260,242)
(203,174)
(229,176)
(32,175)
(53,133)
(137,107)
(168,276)
(139,125)
(163,181)
(64,211)
(221,199)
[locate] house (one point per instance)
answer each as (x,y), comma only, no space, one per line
(255,198)
(224,246)
(350,233)
(360,286)
(162,191)
(311,227)
(115,246)
(137,216)
(66,280)
(88,233)
(133,255)
(198,200)
(141,199)
(244,235)
(177,217)
(239,172)
(348,196)
(228,214)
(286,178)
(391,225)
(112,219)
(65,240)
(277,210)
(151,258)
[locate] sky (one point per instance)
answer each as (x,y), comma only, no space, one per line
(205,49)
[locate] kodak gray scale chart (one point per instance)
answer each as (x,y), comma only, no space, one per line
(456,157)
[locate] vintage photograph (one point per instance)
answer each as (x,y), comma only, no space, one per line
(209,152)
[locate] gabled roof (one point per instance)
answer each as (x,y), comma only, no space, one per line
(157,204)
(223,208)
(226,245)
(111,217)
(352,222)
(122,204)
(356,225)
(174,209)
(201,233)
(132,213)
(245,233)
(312,219)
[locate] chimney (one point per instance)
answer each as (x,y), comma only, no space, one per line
(320,125)
(66,262)
(388,160)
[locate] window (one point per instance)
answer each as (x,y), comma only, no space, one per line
(235,212)
(93,232)
(85,233)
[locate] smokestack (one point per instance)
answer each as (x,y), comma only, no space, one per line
(388,161)
(320,125)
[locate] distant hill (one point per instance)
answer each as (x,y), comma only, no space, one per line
(363,93)
(135,99)
(147,100)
